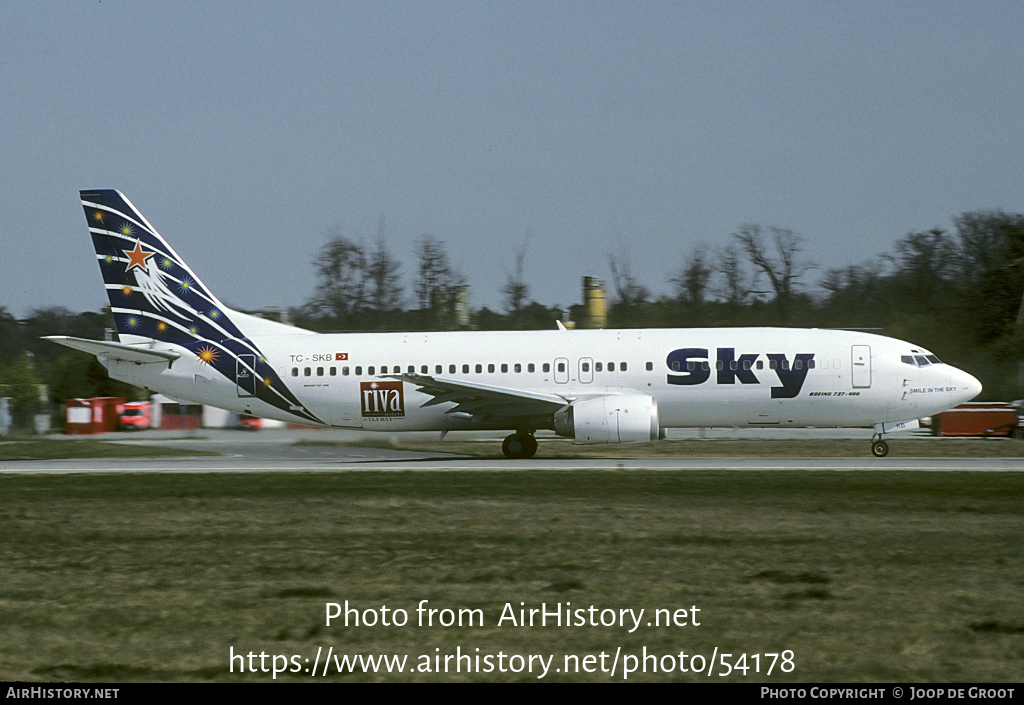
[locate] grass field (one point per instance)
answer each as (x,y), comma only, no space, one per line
(44,448)
(873,576)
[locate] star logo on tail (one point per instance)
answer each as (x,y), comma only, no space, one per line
(137,257)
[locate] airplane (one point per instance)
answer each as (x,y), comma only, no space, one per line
(593,386)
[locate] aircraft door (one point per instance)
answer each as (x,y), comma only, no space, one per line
(586,370)
(245,376)
(561,370)
(861,375)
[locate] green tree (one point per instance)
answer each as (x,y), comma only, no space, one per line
(19,382)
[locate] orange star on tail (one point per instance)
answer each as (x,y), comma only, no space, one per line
(137,257)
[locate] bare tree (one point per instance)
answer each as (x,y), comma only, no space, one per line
(385,291)
(437,283)
(782,269)
(628,290)
(692,282)
(735,283)
(342,282)
(515,289)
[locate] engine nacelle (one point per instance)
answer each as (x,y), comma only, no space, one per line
(623,418)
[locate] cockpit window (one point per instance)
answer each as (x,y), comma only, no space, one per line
(920,360)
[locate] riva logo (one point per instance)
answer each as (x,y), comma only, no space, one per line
(693,366)
(382,399)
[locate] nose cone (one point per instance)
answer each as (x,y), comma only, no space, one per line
(963,387)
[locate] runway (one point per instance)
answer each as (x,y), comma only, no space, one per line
(409,461)
(270,451)
(228,465)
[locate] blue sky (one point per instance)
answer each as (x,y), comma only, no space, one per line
(247,131)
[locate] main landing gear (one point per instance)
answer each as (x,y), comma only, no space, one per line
(519,445)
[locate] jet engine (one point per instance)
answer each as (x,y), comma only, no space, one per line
(625,418)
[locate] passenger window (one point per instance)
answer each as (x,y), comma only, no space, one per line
(517,367)
(746,364)
(561,367)
(547,367)
(306,372)
(451,369)
(597,367)
(465,369)
(531,367)
(344,371)
(359,371)
(622,367)
(585,367)
(370,370)
(490,368)
(333,372)
(479,368)
(504,367)
(295,372)
(798,365)
(319,371)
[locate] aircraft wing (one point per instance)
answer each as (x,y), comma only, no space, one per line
(115,351)
(483,400)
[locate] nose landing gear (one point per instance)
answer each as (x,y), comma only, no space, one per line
(879,448)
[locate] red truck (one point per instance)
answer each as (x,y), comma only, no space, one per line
(136,416)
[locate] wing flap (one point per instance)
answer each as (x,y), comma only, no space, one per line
(484,400)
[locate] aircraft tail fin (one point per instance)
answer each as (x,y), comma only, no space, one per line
(153,293)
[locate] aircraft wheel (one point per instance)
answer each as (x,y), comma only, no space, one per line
(519,445)
(879,449)
(529,447)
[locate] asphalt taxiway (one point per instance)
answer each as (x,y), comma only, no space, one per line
(285,451)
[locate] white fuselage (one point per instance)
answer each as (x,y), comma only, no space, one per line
(698,377)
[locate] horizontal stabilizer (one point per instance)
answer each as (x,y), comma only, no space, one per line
(115,351)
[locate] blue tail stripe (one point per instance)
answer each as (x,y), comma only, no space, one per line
(154,294)
(150,289)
